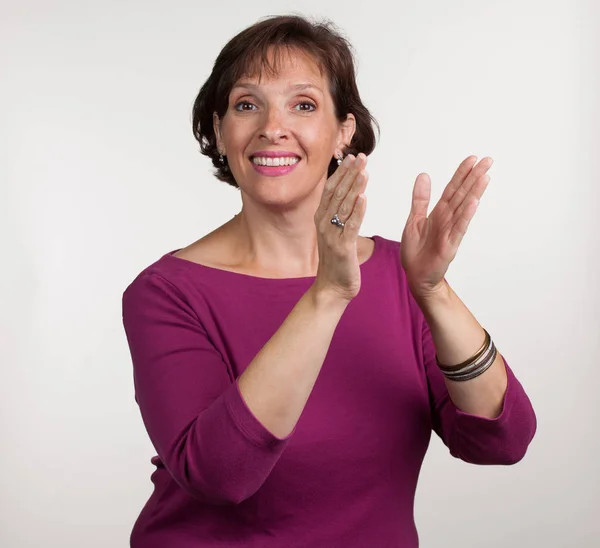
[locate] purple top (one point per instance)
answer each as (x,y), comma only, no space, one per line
(347,474)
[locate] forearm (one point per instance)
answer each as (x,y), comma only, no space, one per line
(279,380)
(457,336)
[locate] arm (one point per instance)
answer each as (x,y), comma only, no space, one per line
(486,420)
(279,380)
(219,437)
(457,335)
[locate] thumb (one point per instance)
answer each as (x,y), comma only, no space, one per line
(420,196)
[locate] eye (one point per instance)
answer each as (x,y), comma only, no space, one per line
(306,106)
(244,106)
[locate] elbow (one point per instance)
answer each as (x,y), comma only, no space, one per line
(520,445)
(505,451)
(497,445)
(512,457)
(214,496)
(211,489)
(227,494)
(210,480)
(504,454)
(216,461)
(496,456)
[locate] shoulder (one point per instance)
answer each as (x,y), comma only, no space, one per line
(165,280)
(210,250)
(387,246)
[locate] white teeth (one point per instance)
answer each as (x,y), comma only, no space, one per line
(267,161)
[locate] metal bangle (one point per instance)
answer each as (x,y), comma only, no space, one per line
(475,373)
(486,345)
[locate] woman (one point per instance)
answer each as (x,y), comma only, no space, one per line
(289,371)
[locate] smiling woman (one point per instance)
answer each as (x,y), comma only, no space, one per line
(307,59)
(275,423)
(288,114)
(278,113)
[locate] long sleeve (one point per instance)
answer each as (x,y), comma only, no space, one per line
(350,469)
(204,433)
(473,439)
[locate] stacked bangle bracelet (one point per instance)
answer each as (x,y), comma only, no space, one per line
(474,366)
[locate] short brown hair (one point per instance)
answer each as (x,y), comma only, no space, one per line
(247,54)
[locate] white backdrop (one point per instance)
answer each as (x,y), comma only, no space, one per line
(100,176)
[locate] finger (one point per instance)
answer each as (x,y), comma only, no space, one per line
(353,223)
(332,183)
(345,184)
(421,195)
(475,194)
(458,178)
(463,190)
(465,213)
(480,187)
(358,187)
(459,229)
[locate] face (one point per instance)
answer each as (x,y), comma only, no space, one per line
(280,133)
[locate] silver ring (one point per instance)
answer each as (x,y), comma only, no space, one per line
(336,221)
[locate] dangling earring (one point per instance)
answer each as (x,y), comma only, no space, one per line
(221,159)
(340,159)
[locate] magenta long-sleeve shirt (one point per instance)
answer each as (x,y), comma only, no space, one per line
(346,475)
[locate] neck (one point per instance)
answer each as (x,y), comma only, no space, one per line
(276,241)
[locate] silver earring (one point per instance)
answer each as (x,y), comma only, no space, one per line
(221,159)
(340,159)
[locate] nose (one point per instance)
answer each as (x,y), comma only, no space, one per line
(273,127)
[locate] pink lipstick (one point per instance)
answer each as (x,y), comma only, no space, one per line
(266,159)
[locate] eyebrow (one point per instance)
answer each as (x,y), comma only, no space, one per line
(295,87)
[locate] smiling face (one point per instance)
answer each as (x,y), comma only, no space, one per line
(279,133)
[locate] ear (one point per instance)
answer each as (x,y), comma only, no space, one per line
(347,129)
(217,130)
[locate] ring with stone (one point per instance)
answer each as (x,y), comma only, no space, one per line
(336,221)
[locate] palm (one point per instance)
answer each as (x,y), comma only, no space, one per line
(429,243)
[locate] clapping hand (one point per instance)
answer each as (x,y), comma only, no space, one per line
(429,243)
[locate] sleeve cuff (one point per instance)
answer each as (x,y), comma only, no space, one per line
(507,404)
(248,423)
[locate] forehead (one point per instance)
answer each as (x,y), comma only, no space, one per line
(283,65)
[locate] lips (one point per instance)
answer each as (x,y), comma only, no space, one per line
(274,154)
(274,164)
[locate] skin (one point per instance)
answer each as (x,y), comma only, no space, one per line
(292,111)
(276,232)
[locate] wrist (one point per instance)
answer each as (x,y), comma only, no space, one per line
(432,298)
(327,299)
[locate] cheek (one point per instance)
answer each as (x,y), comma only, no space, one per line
(236,132)
(319,137)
